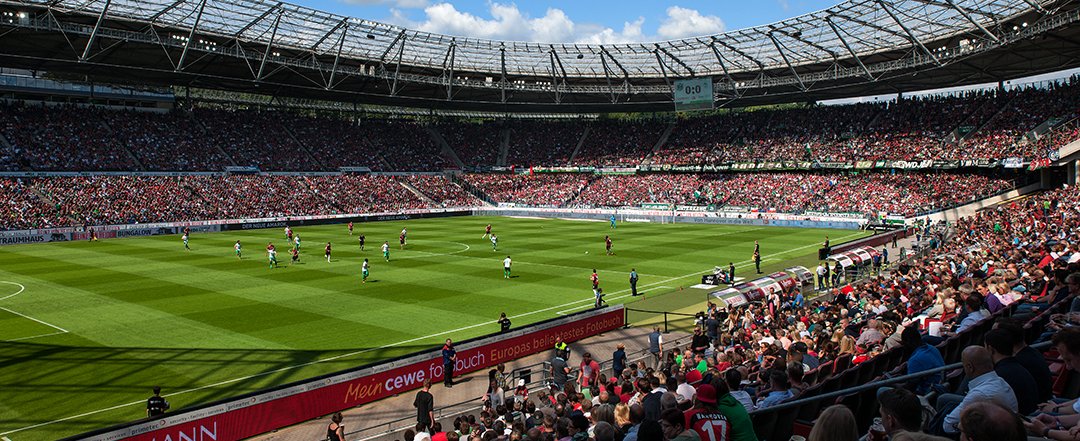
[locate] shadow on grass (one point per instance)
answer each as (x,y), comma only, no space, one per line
(88,379)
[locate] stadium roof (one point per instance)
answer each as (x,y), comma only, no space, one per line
(855,47)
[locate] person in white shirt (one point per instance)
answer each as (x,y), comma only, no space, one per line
(506,267)
(421,433)
(983,385)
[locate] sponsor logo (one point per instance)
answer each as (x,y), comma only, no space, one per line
(259,225)
(35,238)
(200,433)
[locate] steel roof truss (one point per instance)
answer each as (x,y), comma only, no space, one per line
(166,10)
(191,35)
(93,33)
(966,15)
(266,13)
(270,45)
(915,40)
(677,60)
(783,55)
(397,66)
(337,57)
(723,66)
(448,63)
(851,51)
(1036,6)
(759,64)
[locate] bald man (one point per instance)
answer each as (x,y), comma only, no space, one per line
(983,385)
(988,421)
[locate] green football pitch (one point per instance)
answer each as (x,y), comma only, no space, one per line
(86,329)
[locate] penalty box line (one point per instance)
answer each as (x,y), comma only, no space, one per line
(22,288)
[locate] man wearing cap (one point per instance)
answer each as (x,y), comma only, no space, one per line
(705,419)
(687,383)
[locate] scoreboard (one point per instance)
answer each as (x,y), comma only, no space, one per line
(694,94)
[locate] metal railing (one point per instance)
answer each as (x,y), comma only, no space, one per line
(539,377)
(868,386)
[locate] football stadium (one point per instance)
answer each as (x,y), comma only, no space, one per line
(479,221)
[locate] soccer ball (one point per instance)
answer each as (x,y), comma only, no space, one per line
(586,252)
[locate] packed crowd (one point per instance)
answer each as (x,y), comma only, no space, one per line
(752,358)
(974,125)
(436,188)
(476,144)
(543,142)
(98,200)
(540,190)
(902,193)
(619,143)
(61,201)
(60,138)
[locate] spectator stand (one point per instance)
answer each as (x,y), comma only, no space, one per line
(537,375)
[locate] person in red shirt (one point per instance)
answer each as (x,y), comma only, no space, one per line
(328,252)
(705,419)
(595,279)
(350,233)
(607,244)
(589,371)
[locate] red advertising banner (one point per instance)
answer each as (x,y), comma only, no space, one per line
(272,410)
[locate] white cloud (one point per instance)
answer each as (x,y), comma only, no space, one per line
(683,22)
(407,4)
(507,22)
(784,5)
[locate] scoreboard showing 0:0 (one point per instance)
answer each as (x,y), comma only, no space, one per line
(694,94)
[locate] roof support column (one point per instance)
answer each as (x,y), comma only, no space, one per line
(783,55)
(397,67)
(270,45)
(337,57)
(502,66)
(851,51)
(93,33)
(607,75)
(907,31)
(964,12)
(723,66)
(554,76)
(448,63)
(1035,5)
(191,36)
(663,70)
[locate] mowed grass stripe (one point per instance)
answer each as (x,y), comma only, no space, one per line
(143,311)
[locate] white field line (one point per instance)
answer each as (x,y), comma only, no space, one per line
(35,336)
(20,291)
(336,357)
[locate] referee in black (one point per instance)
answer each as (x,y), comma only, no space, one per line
(504,323)
(156,405)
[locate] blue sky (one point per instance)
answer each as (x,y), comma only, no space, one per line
(593,21)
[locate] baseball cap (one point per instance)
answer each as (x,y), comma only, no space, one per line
(693,376)
(706,393)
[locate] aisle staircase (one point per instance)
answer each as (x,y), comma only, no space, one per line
(581,142)
(447,152)
(417,192)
